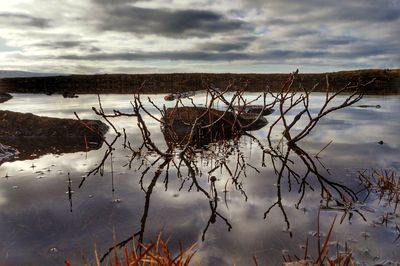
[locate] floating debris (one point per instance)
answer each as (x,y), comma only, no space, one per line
(15,187)
(365,251)
(369,106)
(315,234)
(368,209)
(254,109)
(352,240)
(365,235)
(53,250)
(304,209)
(116,201)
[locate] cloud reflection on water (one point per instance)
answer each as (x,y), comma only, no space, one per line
(36,215)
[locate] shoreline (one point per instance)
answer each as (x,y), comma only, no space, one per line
(387,81)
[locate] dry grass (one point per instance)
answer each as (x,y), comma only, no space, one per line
(339,259)
(385,183)
(156,253)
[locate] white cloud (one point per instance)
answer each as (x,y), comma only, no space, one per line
(187,36)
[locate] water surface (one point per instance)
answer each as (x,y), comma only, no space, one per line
(41,225)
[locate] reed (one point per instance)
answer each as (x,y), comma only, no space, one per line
(156,253)
(343,258)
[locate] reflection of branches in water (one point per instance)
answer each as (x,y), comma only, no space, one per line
(100,167)
(341,194)
(279,194)
(69,192)
(185,150)
(213,207)
(148,192)
(325,183)
(289,99)
(213,198)
(286,161)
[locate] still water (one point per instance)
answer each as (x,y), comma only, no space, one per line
(42,224)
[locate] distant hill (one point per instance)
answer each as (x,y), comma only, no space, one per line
(24,74)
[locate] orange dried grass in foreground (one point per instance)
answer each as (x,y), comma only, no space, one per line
(151,254)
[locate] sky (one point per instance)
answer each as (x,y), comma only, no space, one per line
(164,36)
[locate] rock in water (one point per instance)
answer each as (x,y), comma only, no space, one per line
(4,97)
(14,124)
(212,125)
(33,136)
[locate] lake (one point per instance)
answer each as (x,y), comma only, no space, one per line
(46,218)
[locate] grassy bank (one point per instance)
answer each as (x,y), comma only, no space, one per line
(386,82)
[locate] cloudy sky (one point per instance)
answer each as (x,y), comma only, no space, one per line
(133,36)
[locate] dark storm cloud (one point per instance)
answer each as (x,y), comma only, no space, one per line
(173,56)
(61,44)
(197,56)
(114,2)
(168,22)
(271,56)
(368,50)
(318,42)
(341,40)
(341,11)
(375,12)
(227,44)
(299,32)
(82,45)
(222,47)
(21,19)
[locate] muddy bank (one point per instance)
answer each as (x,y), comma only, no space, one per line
(33,136)
(387,82)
